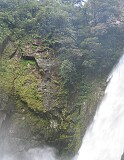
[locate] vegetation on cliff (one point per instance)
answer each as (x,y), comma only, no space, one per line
(53,53)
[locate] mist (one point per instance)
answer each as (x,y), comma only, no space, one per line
(45,153)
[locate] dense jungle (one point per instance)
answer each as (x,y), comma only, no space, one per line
(55,56)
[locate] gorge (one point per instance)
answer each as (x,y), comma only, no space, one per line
(55,58)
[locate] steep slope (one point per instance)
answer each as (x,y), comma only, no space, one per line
(53,66)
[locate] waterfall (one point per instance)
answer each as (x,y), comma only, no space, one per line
(104,139)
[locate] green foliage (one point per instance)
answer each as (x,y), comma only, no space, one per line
(91,44)
(67,71)
(84,39)
(85,42)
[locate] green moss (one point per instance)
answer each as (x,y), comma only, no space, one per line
(25,63)
(4,31)
(18,76)
(26,88)
(24,77)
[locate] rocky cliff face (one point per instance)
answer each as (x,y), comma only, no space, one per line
(36,109)
(52,72)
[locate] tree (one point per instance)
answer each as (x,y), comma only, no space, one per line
(67,71)
(72,1)
(108,9)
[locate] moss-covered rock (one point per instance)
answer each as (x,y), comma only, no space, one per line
(45,112)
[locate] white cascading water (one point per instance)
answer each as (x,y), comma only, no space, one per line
(104,139)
